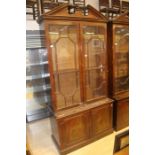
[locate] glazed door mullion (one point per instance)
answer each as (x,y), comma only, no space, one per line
(64,50)
(94,61)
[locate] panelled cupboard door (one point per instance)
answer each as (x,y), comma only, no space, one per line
(122,113)
(64,55)
(101,119)
(95,55)
(74,129)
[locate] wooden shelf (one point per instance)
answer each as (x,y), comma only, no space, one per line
(64,71)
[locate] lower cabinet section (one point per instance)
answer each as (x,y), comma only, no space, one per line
(121,114)
(76,130)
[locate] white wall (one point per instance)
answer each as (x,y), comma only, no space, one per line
(94,3)
(32,25)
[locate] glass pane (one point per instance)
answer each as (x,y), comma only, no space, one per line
(67,89)
(63,43)
(95,54)
(121,58)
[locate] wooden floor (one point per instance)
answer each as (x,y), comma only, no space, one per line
(40,141)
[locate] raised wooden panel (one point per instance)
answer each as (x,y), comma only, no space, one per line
(122,114)
(74,129)
(101,119)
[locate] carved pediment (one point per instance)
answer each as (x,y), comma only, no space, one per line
(123,18)
(61,12)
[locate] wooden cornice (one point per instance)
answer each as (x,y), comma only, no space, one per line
(61,13)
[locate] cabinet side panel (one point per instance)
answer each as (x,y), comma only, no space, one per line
(55,130)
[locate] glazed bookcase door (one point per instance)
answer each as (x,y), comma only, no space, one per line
(95,71)
(65,57)
(121,58)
